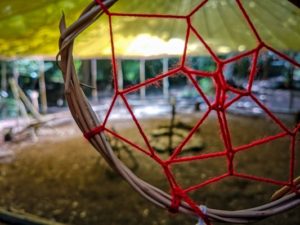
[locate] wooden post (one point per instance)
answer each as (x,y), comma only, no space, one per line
(86,70)
(120,74)
(94,80)
(42,85)
(16,95)
(142,78)
(3,76)
(166,79)
(16,73)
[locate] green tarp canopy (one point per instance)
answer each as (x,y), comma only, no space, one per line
(31,28)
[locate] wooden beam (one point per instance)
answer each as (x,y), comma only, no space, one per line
(16,95)
(26,101)
(22,108)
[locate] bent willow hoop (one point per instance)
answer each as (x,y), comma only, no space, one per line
(177,200)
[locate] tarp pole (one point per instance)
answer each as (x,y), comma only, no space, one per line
(94,80)
(166,79)
(3,76)
(142,78)
(42,85)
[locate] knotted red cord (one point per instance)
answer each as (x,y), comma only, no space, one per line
(219,105)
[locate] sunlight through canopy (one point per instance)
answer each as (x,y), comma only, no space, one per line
(32,29)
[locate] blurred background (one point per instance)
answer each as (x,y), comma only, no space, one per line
(45,169)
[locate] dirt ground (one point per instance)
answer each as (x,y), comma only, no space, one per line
(61,177)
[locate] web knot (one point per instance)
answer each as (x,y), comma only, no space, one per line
(90,134)
(102,6)
(177,196)
(217,107)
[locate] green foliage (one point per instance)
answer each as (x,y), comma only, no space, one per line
(28,68)
(131,71)
(53,73)
(153,67)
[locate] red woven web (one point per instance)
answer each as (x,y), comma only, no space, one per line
(219,106)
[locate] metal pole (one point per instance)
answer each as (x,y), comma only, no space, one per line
(42,85)
(94,79)
(166,79)
(3,76)
(142,78)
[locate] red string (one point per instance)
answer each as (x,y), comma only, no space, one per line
(219,105)
(178,195)
(89,135)
(102,5)
(148,15)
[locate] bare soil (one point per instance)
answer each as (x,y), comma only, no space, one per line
(62,177)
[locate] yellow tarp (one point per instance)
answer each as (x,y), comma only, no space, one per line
(31,28)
